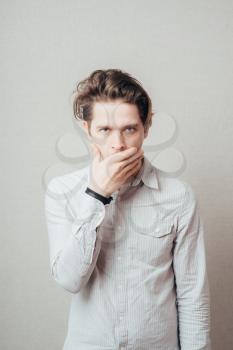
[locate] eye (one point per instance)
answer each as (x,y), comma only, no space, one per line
(104,129)
(131,129)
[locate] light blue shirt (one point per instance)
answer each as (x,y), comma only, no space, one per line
(136,267)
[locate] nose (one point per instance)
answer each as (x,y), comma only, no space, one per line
(118,143)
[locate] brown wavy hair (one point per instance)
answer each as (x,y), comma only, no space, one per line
(107,85)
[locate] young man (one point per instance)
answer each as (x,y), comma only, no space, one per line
(125,239)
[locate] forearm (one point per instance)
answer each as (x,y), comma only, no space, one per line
(192,288)
(74,264)
(72,223)
(194,322)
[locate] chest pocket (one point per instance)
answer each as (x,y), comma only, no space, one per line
(154,228)
(153,244)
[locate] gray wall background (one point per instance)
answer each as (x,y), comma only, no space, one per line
(182,52)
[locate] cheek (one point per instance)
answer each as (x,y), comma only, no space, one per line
(135,140)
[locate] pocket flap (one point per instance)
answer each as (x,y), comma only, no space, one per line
(163,229)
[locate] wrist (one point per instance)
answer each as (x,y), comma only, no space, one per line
(99,191)
(103,199)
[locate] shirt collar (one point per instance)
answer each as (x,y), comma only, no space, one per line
(147,174)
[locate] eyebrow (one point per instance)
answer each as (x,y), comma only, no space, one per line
(124,127)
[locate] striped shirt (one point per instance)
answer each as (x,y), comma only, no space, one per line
(135,268)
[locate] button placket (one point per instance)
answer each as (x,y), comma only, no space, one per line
(121,300)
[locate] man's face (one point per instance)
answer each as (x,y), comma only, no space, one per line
(115,126)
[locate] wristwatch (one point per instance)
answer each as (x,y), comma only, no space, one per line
(103,199)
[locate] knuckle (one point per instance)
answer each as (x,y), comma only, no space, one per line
(120,167)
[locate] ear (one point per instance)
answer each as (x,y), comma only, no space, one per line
(85,128)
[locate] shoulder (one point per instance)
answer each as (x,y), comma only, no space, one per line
(178,191)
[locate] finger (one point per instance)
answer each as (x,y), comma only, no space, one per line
(132,171)
(138,155)
(130,167)
(119,156)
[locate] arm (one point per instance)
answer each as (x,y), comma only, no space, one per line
(72,225)
(191,278)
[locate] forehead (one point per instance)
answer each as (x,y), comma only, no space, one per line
(114,112)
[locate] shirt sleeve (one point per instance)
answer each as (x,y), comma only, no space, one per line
(192,288)
(72,221)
